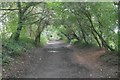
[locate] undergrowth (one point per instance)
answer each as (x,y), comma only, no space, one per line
(110,57)
(43,41)
(82,44)
(11,48)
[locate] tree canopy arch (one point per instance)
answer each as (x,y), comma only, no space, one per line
(88,23)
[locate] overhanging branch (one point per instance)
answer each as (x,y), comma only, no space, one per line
(9,9)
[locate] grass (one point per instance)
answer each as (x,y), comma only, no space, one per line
(82,44)
(11,49)
(43,40)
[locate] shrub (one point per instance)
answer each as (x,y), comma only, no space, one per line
(11,48)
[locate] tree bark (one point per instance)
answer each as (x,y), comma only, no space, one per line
(119,25)
(84,37)
(39,31)
(100,37)
(37,39)
(83,34)
(76,36)
(21,13)
(66,36)
(95,37)
(19,28)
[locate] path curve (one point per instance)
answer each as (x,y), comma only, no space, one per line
(59,60)
(54,61)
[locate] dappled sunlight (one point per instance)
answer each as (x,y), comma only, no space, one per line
(54,42)
(53,51)
(76,33)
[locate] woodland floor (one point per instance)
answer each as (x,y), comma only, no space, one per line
(60,60)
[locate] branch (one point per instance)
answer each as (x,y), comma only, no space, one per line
(30,11)
(9,9)
(29,5)
(28,16)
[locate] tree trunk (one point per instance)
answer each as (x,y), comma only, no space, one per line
(37,39)
(96,39)
(21,12)
(19,28)
(76,36)
(39,31)
(83,34)
(100,37)
(66,36)
(119,27)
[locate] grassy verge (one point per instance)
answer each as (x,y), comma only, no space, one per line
(43,41)
(81,44)
(11,49)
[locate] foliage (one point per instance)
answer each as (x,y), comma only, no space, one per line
(83,24)
(74,41)
(43,40)
(12,48)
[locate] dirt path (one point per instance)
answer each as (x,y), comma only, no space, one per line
(57,60)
